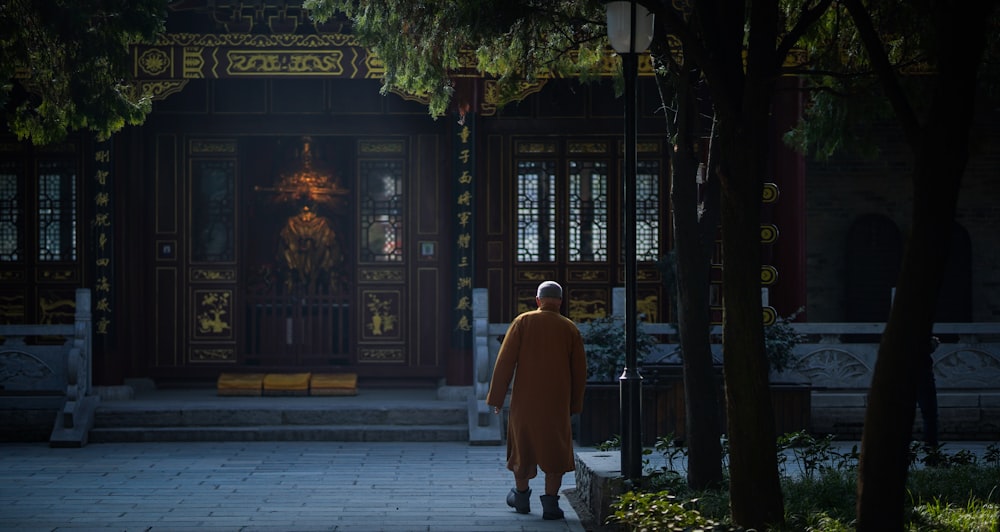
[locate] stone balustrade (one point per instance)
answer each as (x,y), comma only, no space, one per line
(836,360)
(41,377)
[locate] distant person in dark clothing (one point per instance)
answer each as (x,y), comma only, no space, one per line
(927,395)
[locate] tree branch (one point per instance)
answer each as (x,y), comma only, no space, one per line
(807,18)
(880,61)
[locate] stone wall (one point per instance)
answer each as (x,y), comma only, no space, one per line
(840,190)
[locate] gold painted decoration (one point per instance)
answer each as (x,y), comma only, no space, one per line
(768,274)
(212,147)
(381,314)
(768,233)
(587,147)
(200,274)
(394,275)
(585,305)
(216,40)
(243,63)
(493,99)
(57,275)
(12,275)
(159,90)
(193,63)
(536,147)
(12,308)
(422,99)
(368,147)
(770,315)
(525,300)
(213,313)
(52,311)
(213,355)
(103,218)
(380,355)
(648,308)
(536,275)
(154,62)
(770,194)
(588,275)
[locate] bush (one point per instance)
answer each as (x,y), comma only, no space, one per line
(779,340)
(660,511)
(604,340)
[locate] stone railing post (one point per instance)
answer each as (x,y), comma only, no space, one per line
(484,425)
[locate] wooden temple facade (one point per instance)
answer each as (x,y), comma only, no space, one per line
(277,213)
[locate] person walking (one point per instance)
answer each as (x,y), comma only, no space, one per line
(543,354)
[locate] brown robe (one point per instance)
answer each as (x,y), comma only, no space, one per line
(545,349)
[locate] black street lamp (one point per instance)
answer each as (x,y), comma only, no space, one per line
(630,30)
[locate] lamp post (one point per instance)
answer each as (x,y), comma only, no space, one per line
(630,30)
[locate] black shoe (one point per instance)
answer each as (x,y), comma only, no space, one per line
(519,500)
(550,507)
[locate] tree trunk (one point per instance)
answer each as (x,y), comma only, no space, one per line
(741,80)
(693,236)
(941,148)
(754,486)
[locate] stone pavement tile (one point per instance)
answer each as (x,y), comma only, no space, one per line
(294,486)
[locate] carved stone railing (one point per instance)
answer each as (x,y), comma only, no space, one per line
(46,376)
(835,359)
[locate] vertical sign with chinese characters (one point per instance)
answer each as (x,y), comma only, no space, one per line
(464,169)
(103,232)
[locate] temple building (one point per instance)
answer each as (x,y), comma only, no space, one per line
(276,213)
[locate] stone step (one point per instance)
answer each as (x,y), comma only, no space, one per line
(200,415)
(349,433)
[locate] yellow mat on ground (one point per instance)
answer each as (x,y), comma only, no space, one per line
(240,383)
(286,384)
(334,384)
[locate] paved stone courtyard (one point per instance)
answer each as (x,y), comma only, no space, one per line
(246,486)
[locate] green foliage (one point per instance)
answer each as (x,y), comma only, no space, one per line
(975,516)
(847,105)
(426,46)
(826,497)
(612,444)
(660,511)
(992,455)
(779,340)
(64,65)
(604,340)
(960,494)
(814,455)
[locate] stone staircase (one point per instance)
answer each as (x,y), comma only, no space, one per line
(417,415)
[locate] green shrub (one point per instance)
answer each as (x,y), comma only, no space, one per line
(604,341)
(779,340)
(660,511)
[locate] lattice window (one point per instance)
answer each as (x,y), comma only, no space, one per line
(213,211)
(588,211)
(381,211)
(57,215)
(647,211)
(11,216)
(536,211)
